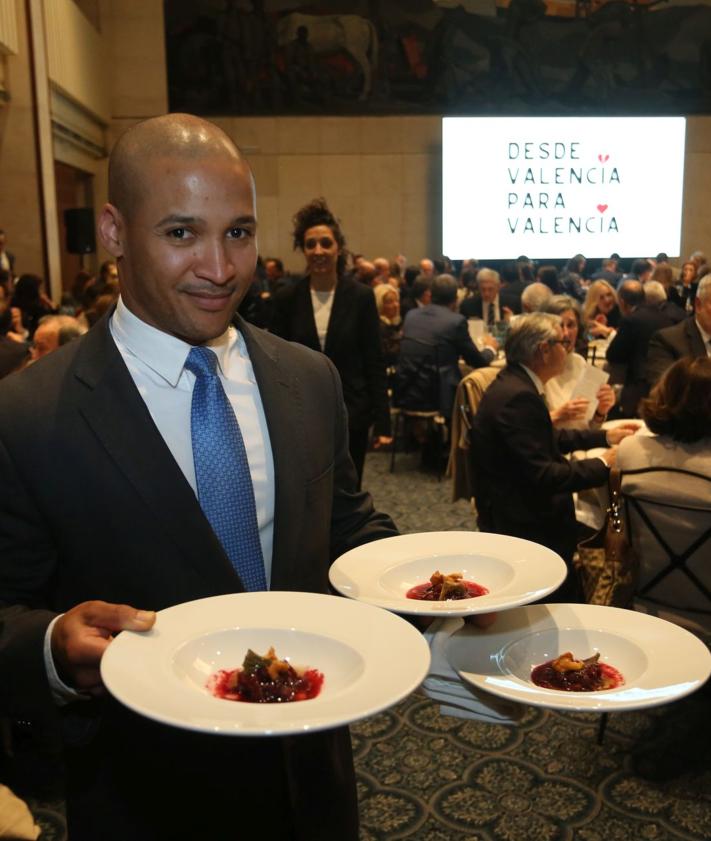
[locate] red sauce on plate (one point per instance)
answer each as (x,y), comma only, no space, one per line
(427,593)
(594,677)
(259,688)
(265,679)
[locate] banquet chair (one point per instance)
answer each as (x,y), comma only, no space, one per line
(668,512)
(466,402)
(417,397)
(668,515)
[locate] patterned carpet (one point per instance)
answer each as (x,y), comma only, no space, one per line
(435,778)
(427,777)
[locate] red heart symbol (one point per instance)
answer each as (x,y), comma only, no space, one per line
(602,208)
(603,158)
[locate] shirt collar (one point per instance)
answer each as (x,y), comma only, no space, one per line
(536,379)
(704,335)
(163,353)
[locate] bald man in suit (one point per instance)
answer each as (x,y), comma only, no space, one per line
(101,523)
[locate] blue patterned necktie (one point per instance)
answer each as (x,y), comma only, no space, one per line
(224,483)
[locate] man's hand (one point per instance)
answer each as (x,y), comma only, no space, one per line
(614,436)
(598,329)
(82,634)
(572,410)
(489,341)
(610,457)
(506,313)
(382,441)
(605,399)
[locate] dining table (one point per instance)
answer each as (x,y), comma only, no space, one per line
(591,505)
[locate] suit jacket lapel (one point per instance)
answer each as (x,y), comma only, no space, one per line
(284,411)
(520,373)
(695,339)
(121,421)
(119,418)
(304,316)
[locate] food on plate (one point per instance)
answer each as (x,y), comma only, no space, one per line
(265,680)
(572,675)
(443,587)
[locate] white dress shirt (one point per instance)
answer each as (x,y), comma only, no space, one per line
(540,388)
(322,303)
(706,337)
(156,362)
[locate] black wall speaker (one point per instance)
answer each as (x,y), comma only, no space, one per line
(79,222)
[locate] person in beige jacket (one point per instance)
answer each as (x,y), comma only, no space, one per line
(674,488)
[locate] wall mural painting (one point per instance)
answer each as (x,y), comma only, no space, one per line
(432,56)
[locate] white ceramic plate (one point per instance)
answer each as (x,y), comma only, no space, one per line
(514,571)
(613,424)
(659,661)
(370,659)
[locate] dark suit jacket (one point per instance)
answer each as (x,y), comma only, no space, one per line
(352,344)
(12,355)
(447,331)
(629,348)
(472,307)
(670,344)
(93,506)
(407,303)
(523,484)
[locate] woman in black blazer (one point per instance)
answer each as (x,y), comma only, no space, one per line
(332,313)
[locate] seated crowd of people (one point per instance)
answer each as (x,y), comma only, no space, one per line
(166,457)
(538,450)
(409,344)
(32,325)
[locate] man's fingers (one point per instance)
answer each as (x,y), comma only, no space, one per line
(85,650)
(88,680)
(117,617)
(81,635)
(610,456)
(614,436)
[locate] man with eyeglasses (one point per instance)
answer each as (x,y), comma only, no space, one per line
(524,485)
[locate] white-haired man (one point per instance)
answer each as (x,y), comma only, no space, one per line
(523,483)
(691,337)
(535,297)
(492,303)
(52,332)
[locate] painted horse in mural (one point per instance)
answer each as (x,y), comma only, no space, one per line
(329,33)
